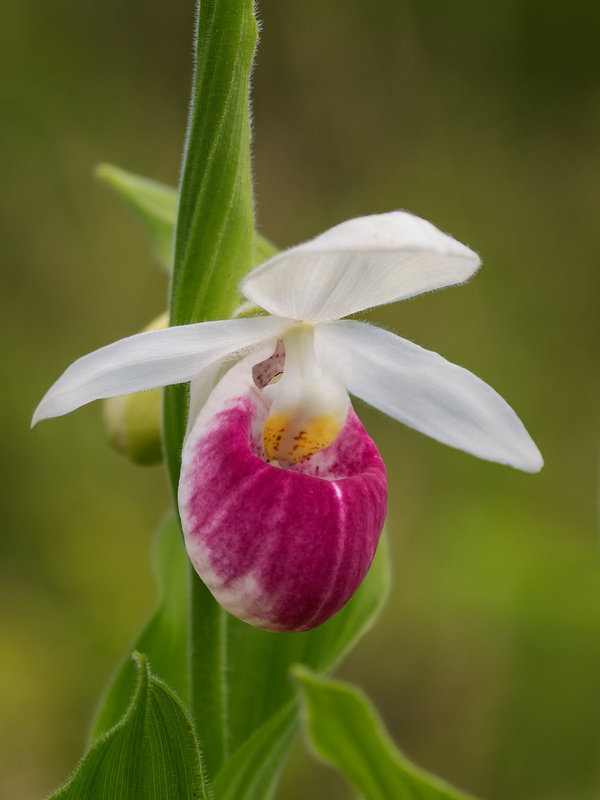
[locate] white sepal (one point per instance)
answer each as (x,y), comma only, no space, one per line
(423,390)
(154,358)
(360,263)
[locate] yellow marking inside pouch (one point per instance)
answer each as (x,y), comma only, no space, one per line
(293,437)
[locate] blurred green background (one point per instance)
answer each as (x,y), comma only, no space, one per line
(483,118)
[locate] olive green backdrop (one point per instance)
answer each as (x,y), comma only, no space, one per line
(482,117)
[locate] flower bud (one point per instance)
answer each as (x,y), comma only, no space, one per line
(133,421)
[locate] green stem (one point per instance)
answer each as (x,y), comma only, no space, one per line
(208,663)
(214,240)
(214,234)
(215,231)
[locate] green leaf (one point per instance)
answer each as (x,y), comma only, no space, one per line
(259,708)
(164,638)
(151,754)
(155,205)
(346,731)
(251,773)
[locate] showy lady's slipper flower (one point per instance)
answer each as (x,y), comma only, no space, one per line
(282,494)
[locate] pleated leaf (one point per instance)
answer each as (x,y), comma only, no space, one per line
(346,732)
(151,754)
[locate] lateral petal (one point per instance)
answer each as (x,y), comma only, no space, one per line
(360,263)
(423,390)
(153,358)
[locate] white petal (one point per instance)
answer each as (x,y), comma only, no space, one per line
(153,358)
(363,262)
(423,390)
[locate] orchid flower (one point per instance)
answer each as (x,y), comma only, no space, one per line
(282,494)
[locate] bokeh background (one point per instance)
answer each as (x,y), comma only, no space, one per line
(482,117)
